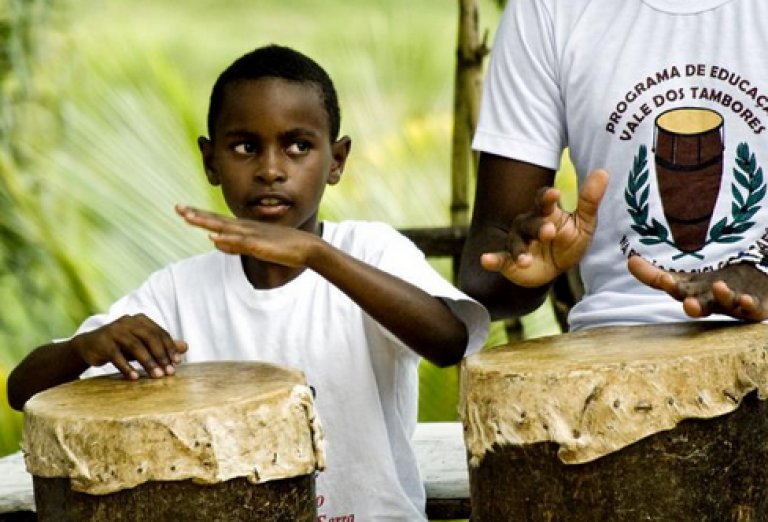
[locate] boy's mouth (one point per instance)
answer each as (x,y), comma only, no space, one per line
(269,206)
(270,202)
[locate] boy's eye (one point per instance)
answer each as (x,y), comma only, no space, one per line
(245,147)
(299,147)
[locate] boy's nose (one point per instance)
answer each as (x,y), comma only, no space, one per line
(270,174)
(269,170)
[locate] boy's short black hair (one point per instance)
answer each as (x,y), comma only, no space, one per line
(275,61)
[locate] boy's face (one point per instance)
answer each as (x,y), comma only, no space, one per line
(271,152)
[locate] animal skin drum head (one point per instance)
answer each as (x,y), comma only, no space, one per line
(209,422)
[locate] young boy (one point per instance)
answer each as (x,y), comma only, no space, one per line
(352,304)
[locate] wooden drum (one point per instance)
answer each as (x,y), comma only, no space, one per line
(218,441)
(657,422)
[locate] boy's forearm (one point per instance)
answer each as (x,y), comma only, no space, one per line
(44,367)
(421,321)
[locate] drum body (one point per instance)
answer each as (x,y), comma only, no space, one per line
(688,147)
(216,441)
(658,422)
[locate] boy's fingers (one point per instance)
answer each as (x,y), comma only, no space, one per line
(203,218)
(161,347)
(136,347)
(180,347)
(122,364)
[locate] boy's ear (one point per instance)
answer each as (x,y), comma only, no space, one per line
(339,152)
(206,151)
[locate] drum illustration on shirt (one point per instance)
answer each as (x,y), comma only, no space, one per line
(688,152)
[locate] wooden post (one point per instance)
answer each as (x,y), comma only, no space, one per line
(468,80)
(466,100)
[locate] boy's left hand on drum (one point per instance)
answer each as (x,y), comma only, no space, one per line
(739,291)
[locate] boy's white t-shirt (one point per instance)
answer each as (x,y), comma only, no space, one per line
(365,380)
(595,75)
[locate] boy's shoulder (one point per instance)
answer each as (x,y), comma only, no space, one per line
(360,234)
(359,226)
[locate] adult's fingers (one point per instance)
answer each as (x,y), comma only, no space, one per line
(645,272)
(653,276)
(494,261)
(696,307)
(526,229)
(739,305)
(546,200)
(590,196)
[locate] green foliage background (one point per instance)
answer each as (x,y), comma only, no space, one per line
(100,106)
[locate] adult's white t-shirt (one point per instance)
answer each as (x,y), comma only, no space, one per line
(629,86)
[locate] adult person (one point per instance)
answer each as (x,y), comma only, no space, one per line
(663,105)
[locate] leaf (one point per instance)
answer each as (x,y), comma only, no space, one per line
(640,229)
(643,154)
(741,178)
(717,229)
(643,215)
(737,195)
(643,179)
(742,151)
(756,197)
(644,196)
(749,214)
(728,239)
(740,228)
(660,230)
(650,241)
(630,200)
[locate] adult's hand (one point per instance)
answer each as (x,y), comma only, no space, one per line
(739,291)
(547,241)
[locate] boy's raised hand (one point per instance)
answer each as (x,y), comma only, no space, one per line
(547,241)
(131,338)
(272,243)
(740,290)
